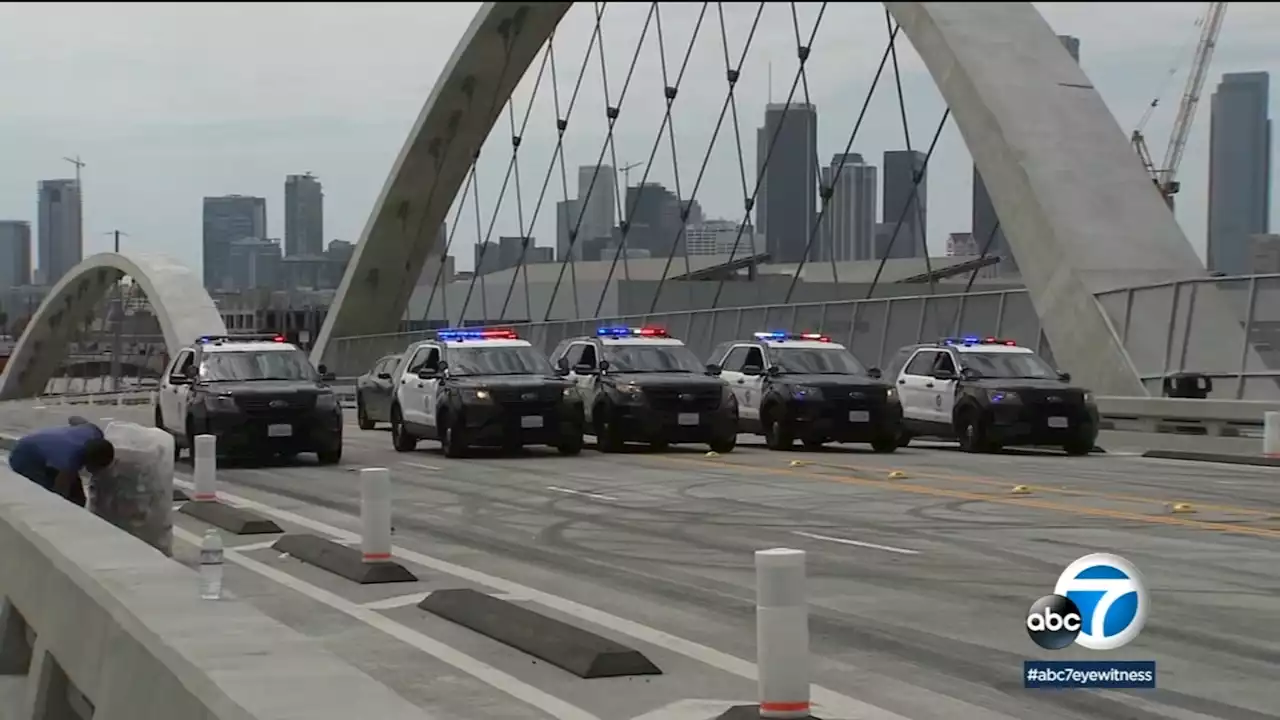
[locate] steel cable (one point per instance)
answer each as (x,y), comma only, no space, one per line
(906,133)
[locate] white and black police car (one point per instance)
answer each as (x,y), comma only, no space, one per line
(988,393)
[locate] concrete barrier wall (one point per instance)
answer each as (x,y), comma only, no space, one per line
(97,624)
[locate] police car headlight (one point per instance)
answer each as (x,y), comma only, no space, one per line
(629,393)
(891,394)
(571,394)
(805,392)
(220,402)
(1003,396)
(476,395)
(1088,398)
(326,401)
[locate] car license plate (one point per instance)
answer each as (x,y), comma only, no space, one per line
(531,421)
(687,418)
(859,416)
(279,431)
(1058,422)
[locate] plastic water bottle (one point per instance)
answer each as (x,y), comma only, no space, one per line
(211,566)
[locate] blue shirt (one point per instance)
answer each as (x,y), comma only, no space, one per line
(59,448)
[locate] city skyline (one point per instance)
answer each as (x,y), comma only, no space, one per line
(1125,80)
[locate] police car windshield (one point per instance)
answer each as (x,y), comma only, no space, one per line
(1006,365)
(652,358)
(253,365)
(816,361)
(497,361)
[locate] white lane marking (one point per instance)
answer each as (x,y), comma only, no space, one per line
(400,601)
(594,496)
(487,674)
(858,543)
(836,702)
(250,547)
(420,466)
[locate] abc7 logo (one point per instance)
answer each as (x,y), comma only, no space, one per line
(1053,622)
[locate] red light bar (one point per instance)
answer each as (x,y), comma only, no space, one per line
(653,332)
(815,336)
(503,334)
(278,338)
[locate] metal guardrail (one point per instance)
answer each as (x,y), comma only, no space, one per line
(1214,418)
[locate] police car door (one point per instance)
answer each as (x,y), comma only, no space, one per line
(584,371)
(173,394)
(410,387)
(944,391)
(744,366)
(915,385)
(431,388)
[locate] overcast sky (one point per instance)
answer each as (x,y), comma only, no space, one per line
(167,104)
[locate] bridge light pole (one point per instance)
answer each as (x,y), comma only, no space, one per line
(117,305)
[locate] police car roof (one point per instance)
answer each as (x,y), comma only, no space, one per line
(250,343)
(483,342)
(639,340)
(983,346)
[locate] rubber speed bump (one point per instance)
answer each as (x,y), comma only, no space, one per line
(235,520)
(1181,508)
(897,475)
(712,453)
(566,646)
(343,561)
(798,463)
(1020,490)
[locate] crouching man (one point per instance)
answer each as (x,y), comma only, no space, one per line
(54,457)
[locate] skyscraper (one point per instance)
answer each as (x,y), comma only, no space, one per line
(596,201)
(61,239)
(905,205)
(985,224)
(1239,170)
(566,241)
(849,225)
(303,215)
(227,219)
(15,253)
(787,203)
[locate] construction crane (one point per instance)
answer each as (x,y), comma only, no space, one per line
(1165,176)
(626,172)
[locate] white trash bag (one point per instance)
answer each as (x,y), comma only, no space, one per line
(136,492)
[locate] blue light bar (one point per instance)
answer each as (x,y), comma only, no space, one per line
(778,336)
(616,332)
(458,334)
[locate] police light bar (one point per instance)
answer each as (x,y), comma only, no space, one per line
(207,339)
(779,336)
(465,334)
(631,332)
(975,340)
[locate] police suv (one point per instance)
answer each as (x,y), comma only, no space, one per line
(469,388)
(641,385)
(258,395)
(804,386)
(989,393)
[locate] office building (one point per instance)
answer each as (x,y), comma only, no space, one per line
(986,228)
(61,237)
(1265,254)
(1239,170)
(787,165)
(303,215)
(849,224)
(597,194)
(905,210)
(567,241)
(228,219)
(15,253)
(721,237)
(509,252)
(655,220)
(255,264)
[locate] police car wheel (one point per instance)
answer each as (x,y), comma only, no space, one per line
(659,445)
(886,444)
(571,445)
(452,441)
(608,439)
(362,415)
(904,439)
(972,434)
(777,436)
(813,445)
(724,444)
(401,440)
(1078,447)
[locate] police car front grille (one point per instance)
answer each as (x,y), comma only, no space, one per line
(853,398)
(1049,399)
(680,400)
(275,405)
(528,396)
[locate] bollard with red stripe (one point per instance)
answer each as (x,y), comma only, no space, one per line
(375,514)
(204,458)
(1271,434)
(782,633)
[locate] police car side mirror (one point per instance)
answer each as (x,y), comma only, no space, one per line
(428,374)
(562,365)
(384,376)
(322,369)
(714,368)
(328,377)
(604,366)
(752,370)
(874,373)
(943,375)
(176,379)
(584,369)
(1064,376)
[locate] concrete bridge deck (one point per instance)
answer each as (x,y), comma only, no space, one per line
(918,585)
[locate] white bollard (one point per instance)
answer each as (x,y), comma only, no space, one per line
(375,514)
(782,633)
(1271,434)
(204,456)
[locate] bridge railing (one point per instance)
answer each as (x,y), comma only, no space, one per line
(1155,323)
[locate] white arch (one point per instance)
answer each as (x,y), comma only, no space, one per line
(184,310)
(1074,201)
